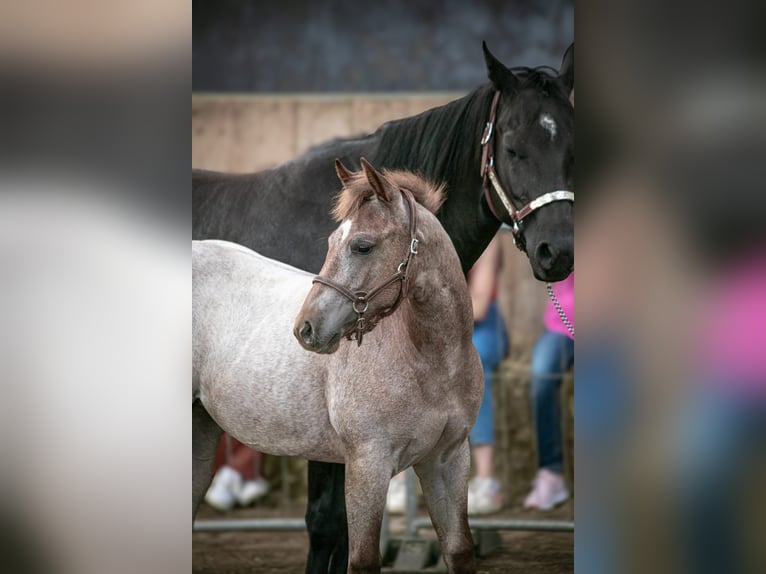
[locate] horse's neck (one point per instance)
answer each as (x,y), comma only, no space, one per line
(438,306)
(443,145)
(439,143)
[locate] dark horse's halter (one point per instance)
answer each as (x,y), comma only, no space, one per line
(360,300)
(489,176)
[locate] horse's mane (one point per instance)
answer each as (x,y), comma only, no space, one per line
(358,190)
(431,143)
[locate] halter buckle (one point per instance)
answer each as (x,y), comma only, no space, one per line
(414,246)
(487,133)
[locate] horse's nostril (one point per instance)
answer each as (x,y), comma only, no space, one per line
(307,333)
(545,255)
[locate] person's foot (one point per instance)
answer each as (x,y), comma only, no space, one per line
(396,499)
(484,496)
(548,491)
(252,490)
(221,494)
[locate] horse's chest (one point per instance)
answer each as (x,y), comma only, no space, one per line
(389,405)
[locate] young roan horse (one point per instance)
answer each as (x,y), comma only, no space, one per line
(521,124)
(408,397)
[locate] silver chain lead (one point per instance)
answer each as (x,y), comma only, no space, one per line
(560,310)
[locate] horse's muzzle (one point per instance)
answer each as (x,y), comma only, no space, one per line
(551,262)
(310,339)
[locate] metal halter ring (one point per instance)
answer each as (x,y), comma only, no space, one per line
(414,246)
(366,305)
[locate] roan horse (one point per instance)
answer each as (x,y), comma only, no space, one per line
(284,213)
(342,403)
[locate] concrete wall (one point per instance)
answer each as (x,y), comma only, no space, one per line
(238,133)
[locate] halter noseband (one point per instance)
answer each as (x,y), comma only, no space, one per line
(360,300)
(489,176)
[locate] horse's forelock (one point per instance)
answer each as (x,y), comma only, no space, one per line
(358,189)
(351,197)
(543,79)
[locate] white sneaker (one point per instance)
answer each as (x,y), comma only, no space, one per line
(549,491)
(221,494)
(396,499)
(484,496)
(252,490)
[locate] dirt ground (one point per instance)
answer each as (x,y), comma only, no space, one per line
(285,552)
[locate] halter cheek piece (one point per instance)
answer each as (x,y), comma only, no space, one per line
(360,300)
(489,177)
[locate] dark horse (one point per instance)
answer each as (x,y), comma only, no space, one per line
(505,152)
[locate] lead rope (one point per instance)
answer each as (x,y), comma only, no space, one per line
(560,310)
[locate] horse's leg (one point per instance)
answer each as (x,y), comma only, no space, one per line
(444,478)
(367,479)
(205,437)
(326,519)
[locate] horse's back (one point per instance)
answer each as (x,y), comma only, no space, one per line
(232,277)
(239,298)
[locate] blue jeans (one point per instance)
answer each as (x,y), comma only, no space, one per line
(491,341)
(720,433)
(551,358)
(605,381)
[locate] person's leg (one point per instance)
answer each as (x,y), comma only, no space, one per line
(247,462)
(551,357)
(243,459)
(238,478)
(720,434)
(491,342)
(483,457)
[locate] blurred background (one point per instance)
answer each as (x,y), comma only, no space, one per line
(94,158)
(348,46)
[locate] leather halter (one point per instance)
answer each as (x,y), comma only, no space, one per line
(489,177)
(360,300)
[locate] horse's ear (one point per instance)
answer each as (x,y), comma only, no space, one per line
(566,74)
(343,174)
(500,76)
(380,184)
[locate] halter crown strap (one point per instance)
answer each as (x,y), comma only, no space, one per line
(360,300)
(489,178)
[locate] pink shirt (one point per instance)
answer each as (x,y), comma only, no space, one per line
(564,291)
(733,346)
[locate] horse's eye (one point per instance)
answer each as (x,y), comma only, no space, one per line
(361,247)
(511,153)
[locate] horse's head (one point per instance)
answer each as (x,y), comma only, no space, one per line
(367,261)
(533,146)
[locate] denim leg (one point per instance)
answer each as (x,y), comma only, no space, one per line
(483,431)
(552,356)
(720,431)
(491,341)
